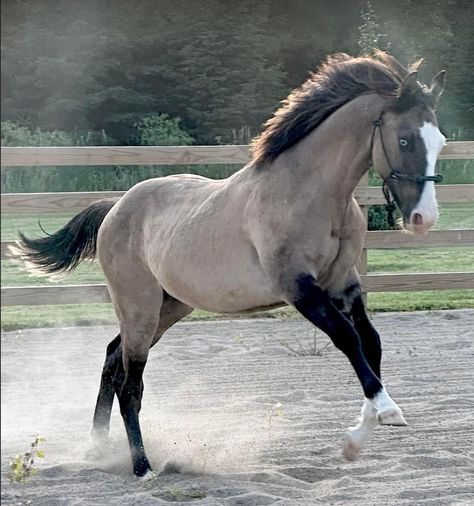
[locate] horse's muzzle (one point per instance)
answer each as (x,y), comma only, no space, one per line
(420,222)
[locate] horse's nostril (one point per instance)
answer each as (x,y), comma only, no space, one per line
(417,219)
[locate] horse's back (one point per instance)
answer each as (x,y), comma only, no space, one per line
(149,206)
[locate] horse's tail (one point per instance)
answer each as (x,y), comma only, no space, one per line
(62,251)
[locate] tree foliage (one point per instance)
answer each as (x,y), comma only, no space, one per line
(219,66)
(161,130)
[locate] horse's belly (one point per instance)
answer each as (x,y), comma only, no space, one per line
(230,301)
(219,286)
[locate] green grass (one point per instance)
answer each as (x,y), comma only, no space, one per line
(379,261)
(421,260)
(11,223)
(455,216)
(416,301)
(452,216)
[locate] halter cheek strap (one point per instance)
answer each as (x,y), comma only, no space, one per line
(395,174)
(390,205)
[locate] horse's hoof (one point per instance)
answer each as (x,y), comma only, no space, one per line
(351,450)
(99,445)
(392,416)
(148,477)
(141,467)
(99,437)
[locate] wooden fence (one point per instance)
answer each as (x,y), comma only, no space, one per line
(36,203)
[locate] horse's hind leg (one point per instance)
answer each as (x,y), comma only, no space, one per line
(128,386)
(171,312)
(113,374)
(139,333)
(137,298)
(105,399)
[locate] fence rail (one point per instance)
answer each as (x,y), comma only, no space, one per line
(71,202)
(125,155)
(97,293)
(27,203)
(160,155)
(391,239)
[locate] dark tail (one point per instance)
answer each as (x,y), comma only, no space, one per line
(62,251)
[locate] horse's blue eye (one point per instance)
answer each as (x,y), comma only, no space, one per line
(403,143)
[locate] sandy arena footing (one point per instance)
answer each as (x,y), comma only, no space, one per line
(234,417)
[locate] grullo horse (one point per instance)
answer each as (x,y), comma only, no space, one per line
(285,229)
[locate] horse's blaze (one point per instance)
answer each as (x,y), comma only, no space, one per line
(425,213)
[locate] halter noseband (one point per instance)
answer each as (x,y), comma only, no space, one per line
(395,174)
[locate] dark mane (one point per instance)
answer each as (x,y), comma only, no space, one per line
(340,79)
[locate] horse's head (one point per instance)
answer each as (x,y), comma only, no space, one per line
(406,142)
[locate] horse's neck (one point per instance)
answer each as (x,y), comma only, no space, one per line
(331,160)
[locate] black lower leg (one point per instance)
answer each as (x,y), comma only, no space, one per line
(129,394)
(315,305)
(105,398)
(371,345)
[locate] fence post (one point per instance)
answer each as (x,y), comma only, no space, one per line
(362,263)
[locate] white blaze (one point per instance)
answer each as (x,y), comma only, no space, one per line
(434,141)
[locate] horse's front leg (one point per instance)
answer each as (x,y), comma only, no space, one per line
(316,305)
(380,410)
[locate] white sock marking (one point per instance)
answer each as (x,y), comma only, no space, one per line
(382,401)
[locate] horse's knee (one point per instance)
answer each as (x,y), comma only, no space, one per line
(315,304)
(345,299)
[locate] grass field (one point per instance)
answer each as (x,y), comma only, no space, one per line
(379,261)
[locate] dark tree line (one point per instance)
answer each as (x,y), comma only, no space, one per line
(218,65)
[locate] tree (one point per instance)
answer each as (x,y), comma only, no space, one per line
(161,130)
(443,39)
(218,65)
(370,33)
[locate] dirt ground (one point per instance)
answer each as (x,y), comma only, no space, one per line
(234,417)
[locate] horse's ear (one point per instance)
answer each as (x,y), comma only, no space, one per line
(409,85)
(437,86)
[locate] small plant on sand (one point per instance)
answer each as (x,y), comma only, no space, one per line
(276,411)
(22,466)
(239,339)
(175,493)
(310,348)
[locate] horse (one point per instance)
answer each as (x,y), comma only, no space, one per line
(284,230)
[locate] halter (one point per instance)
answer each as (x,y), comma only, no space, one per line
(395,174)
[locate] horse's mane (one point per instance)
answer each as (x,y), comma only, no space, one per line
(340,79)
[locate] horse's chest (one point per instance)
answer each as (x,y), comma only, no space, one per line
(338,258)
(329,255)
